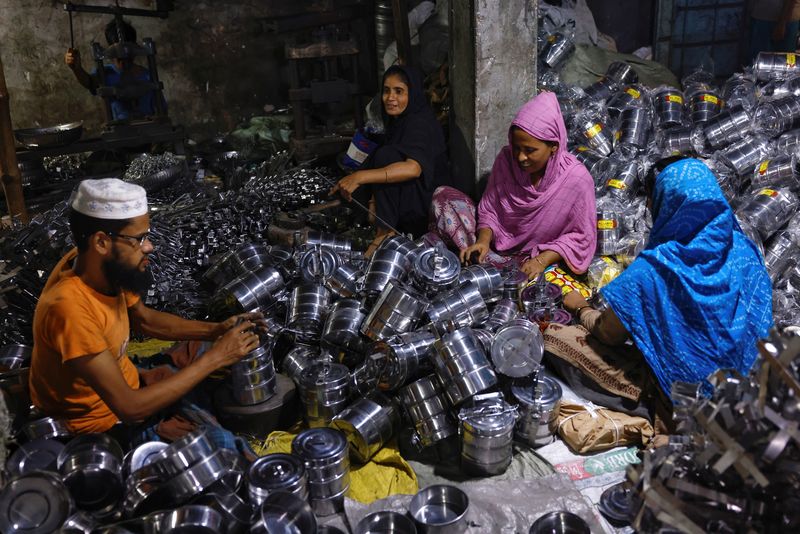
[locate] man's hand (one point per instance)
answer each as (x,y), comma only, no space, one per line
(482,249)
(257,318)
(347,186)
(73,58)
(235,344)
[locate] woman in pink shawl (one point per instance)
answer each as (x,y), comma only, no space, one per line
(538,209)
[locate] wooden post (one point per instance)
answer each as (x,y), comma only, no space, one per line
(401,32)
(9,171)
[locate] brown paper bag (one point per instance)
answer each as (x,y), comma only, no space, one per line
(590,428)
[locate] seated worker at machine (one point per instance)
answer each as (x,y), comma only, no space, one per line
(409,165)
(539,205)
(695,300)
(118,73)
(80,371)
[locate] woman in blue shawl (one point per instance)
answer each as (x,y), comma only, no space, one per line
(698,296)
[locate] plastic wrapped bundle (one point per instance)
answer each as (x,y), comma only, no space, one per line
(625,183)
(622,73)
(602,89)
(704,105)
(634,128)
(549,80)
(630,246)
(788,142)
(775,65)
(752,234)
(598,166)
(727,179)
(559,47)
(777,172)
(609,227)
(727,127)
(739,91)
(780,254)
(768,210)
(630,96)
(774,118)
(679,140)
(668,103)
(602,270)
(594,133)
(743,155)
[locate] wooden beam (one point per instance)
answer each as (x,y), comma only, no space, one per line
(9,171)
(401,32)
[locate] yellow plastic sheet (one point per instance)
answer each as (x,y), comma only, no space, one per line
(387,473)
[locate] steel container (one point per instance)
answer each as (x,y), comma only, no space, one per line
(341,330)
(318,263)
(78,523)
(462,366)
(774,65)
(141,456)
(629,96)
(462,305)
(398,242)
(768,210)
(514,283)
(704,105)
(369,424)
(250,291)
(634,127)
(386,265)
(325,391)
(285,513)
(788,142)
(622,72)
(192,519)
(299,358)
(546,316)
(94,479)
(778,172)
(596,136)
(46,428)
(679,140)
(35,456)
(729,126)
(398,309)
(602,89)
(598,166)
(517,348)
(385,522)
(426,405)
(557,50)
(183,453)
(343,282)
(249,258)
(739,91)
(440,509)
(540,294)
(487,431)
(306,311)
(559,523)
(435,269)
(15,356)
(276,472)
(778,116)
(327,462)
(504,311)
(401,357)
(333,241)
(780,254)
(668,104)
(539,400)
(488,279)
(609,231)
(237,513)
(38,502)
(485,338)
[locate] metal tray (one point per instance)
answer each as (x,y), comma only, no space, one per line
(51,136)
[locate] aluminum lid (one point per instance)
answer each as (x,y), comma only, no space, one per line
(145,454)
(37,455)
(276,471)
(517,348)
(34,503)
(437,265)
(546,392)
(489,418)
(319,443)
(318,263)
(616,504)
(325,373)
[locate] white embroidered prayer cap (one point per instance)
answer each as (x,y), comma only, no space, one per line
(110,198)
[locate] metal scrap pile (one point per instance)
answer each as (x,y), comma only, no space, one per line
(734,466)
(190,223)
(747,132)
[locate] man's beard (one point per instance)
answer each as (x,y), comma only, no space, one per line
(128,278)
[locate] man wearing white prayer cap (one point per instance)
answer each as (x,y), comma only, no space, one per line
(80,371)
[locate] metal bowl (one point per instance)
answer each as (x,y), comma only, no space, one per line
(78,523)
(141,456)
(192,519)
(93,477)
(385,522)
(440,509)
(285,513)
(199,477)
(51,136)
(183,453)
(47,428)
(559,523)
(237,513)
(37,455)
(15,356)
(34,503)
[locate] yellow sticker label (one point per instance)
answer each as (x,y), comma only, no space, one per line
(633,92)
(710,98)
(617,135)
(608,260)
(616,184)
(678,99)
(768,193)
(606,224)
(551,39)
(594,130)
(791,59)
(763,167)
(583,148)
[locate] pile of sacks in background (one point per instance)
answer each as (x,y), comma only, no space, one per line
(747,132)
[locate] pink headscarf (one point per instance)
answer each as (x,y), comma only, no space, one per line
(559,214)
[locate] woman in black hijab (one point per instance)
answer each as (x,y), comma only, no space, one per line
(403,172)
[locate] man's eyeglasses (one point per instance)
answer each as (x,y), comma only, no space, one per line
(140,239)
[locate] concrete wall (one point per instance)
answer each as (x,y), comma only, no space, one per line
(218,60)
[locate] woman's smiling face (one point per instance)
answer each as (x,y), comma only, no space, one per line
(531,153)
(395,95)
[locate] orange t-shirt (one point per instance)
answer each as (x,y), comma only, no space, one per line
(74,320)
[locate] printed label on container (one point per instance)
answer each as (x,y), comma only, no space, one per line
(710,98)
(768,193)
(678,99)
(606,224)
(594,130)
(762,169)
(633,92)
(616,184)
(791,59)
(551,39)
(583,148)
(355,154)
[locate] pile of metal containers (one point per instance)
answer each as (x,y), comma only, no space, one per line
(746,130)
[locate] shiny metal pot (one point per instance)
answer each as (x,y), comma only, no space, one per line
(250,291)
(369,424)
(38,502)
(609,231)
(343,282)
(539,403)
(47,428)
(192,519)
(325,391)
(462,365)
(728,126)
(385,522)
(314,237)
(463,305)
(298,359)
(513,284)
(517,348)
(540,295)
(285,513)
(386,265)
(778,172)
(427,407)
(276,472)
(327,462)
(343,324)
(183,453)
(435,269)
(669,107)
(440,509)
(487,278)
(504,311)
(742,156)
(400,357)
(398,309)
(768,210)
(318,263)
(306,310)
(487,430)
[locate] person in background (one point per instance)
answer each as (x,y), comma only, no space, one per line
(538,209)
(410,163)
(80,371)
(774,26)
(117,73)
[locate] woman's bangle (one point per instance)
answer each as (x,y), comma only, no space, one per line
(540,262)
(579,308)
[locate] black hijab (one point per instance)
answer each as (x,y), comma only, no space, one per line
(416,133)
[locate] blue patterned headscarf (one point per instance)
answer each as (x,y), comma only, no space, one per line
(698,296)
